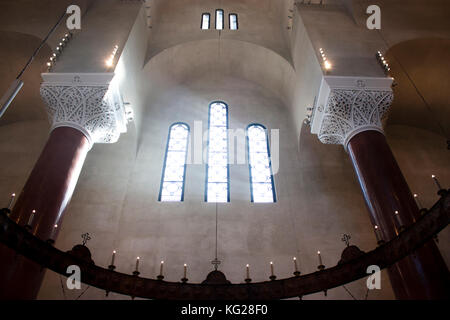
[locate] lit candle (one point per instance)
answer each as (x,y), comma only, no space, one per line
(54,232)
(416,197)
(378,234)
(437,182)
(248,271)
(185,270)
(271,268)
(161,268)
(295,264)
(137,263)
(320,258)
(11,201)
(398,219)
(113,257)
(30,220)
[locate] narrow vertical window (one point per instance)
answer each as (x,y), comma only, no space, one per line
(206,18)
(262,186)
(217,170)
(233,21)
(219,19)
(174,170)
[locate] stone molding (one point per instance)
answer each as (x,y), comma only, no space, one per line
(347,106)
(88,102)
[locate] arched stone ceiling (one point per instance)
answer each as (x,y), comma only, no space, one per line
(262,22)
(422,95)
(213,59)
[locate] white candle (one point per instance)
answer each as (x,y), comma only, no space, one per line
(248,271)
(11,201)
(436,181)
(185,270)
(377,233)
(398,219)
(54,232)
(295,264)
(137,263)
(113,257)
(30,220)
(320,258)
(416,197)
(161,268)
(271,268)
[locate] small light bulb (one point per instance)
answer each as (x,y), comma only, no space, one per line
(327,65)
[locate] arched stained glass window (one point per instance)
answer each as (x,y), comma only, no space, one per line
(219,19)
(262,186)
(217,169)
(174,170)
(206,17)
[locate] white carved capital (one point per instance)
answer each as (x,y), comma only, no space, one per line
(347,106)
(88,102)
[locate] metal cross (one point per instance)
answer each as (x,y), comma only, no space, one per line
(86,238)
(216,262)
(346,238)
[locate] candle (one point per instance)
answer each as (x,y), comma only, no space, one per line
(30,220)
(378,234)
(137,263)
(161,268)
(416,197)
(113,257)
(11,201)
(185,270)
(437,182)
(248,271)
(398,219)
(320,258)
(295,264)
(271,268)
(54,232)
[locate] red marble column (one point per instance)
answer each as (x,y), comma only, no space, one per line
(48,191)
(424,274)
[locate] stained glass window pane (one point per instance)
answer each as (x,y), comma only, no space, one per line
(205,21)
(233,21)
(172,185)
(217,189)
(261,179)
(219,19)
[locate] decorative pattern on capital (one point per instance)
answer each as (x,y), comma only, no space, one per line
(89,103)
(347,106)
(351,111)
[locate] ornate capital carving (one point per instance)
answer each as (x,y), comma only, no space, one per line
(347,106)
(90,103)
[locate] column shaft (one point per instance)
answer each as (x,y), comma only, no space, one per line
(48,191)
(424,274)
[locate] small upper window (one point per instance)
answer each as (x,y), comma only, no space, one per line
(219,19)
(233,21)
(206,18)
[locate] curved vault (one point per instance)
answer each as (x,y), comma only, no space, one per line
(214,59)
(421,97)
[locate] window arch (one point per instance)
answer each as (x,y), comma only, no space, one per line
(206,21)
(262,187)
(174,169)
(219,19)
(217,168)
